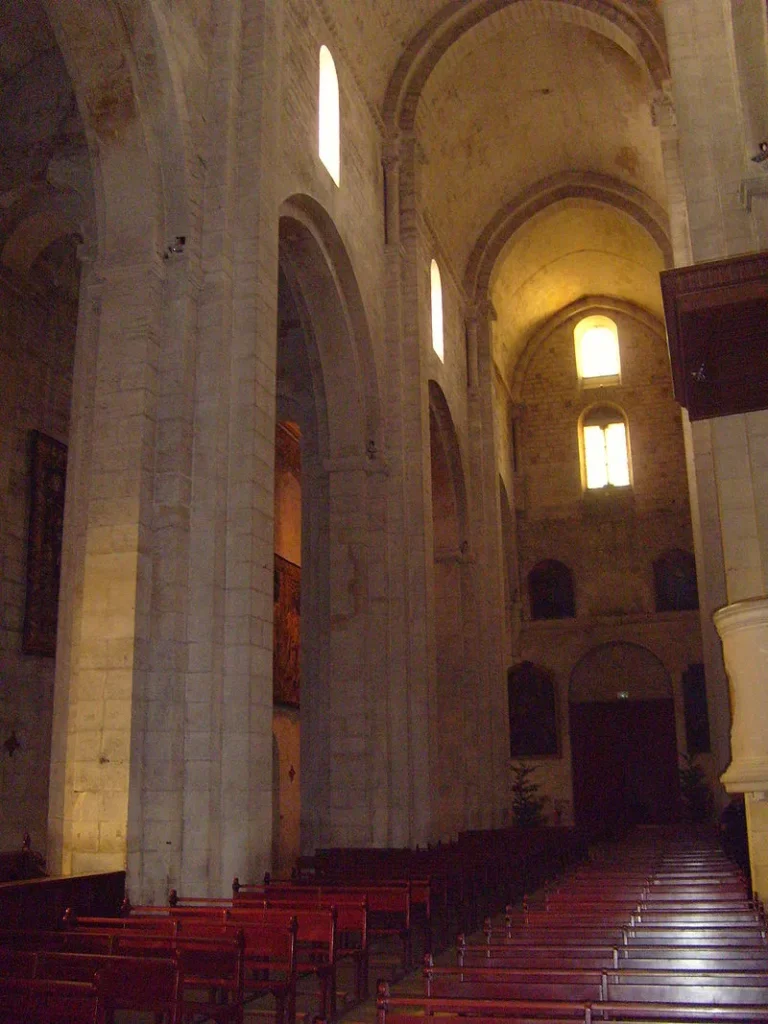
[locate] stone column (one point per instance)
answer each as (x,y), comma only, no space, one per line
(743,627)
(491,744)
(100,762)
(728,455)
(410,635)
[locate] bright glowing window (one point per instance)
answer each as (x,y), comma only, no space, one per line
(437,309)
(606,449)
(329,123)
(597,350)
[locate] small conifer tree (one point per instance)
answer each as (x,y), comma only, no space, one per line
(527,805)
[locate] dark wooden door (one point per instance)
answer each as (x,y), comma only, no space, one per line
(624,756)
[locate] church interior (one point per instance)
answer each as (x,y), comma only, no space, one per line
(342,466)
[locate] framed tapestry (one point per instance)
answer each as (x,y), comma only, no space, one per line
(286,632)
(533,730)
(48,471)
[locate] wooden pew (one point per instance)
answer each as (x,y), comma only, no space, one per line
(211,962)
(142,984)
(413,1009)
(351,920)
(733,958)
(64,988)
(351,928)
(37,1001)
(315,942)
(580,984)
(266,961)
(389,906)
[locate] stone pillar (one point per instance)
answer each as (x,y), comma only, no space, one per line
(101,761)
(743,627)
(411,637)
(491,743)
(726,456)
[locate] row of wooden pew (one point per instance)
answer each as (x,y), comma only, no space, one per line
(200,956)
(664,932)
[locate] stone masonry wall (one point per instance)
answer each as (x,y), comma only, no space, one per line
(36,351)
(609,540)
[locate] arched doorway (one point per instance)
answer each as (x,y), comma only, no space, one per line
(623,743)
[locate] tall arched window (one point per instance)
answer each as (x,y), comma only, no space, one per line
(597,351)
(605,448)
(436,286)
(329,123)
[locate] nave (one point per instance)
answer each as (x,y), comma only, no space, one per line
(658,927)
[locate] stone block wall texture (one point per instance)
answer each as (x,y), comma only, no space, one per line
(608,540)
(177,499)
(37,336)
(356,207)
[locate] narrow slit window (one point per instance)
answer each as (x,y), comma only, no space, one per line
(438,343)
(597,351)
(329,120)
(606,449)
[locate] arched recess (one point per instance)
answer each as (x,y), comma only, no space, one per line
(122,197)
(602,188)
(452,727)
(327,386)
(641,38)
(588,304)
(623,741)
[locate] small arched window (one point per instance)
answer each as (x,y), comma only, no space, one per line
(436,288)
(550,590)
(329,122)
(605,448)
(597,351)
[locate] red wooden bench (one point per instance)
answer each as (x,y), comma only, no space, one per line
(413,1009)
(389,906)
(65,988)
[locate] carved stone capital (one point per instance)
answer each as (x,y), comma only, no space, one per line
(743,629)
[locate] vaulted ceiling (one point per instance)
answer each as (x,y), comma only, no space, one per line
(42,150)
(542,179)
(533,118)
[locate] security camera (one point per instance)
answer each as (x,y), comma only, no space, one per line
(762,154)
